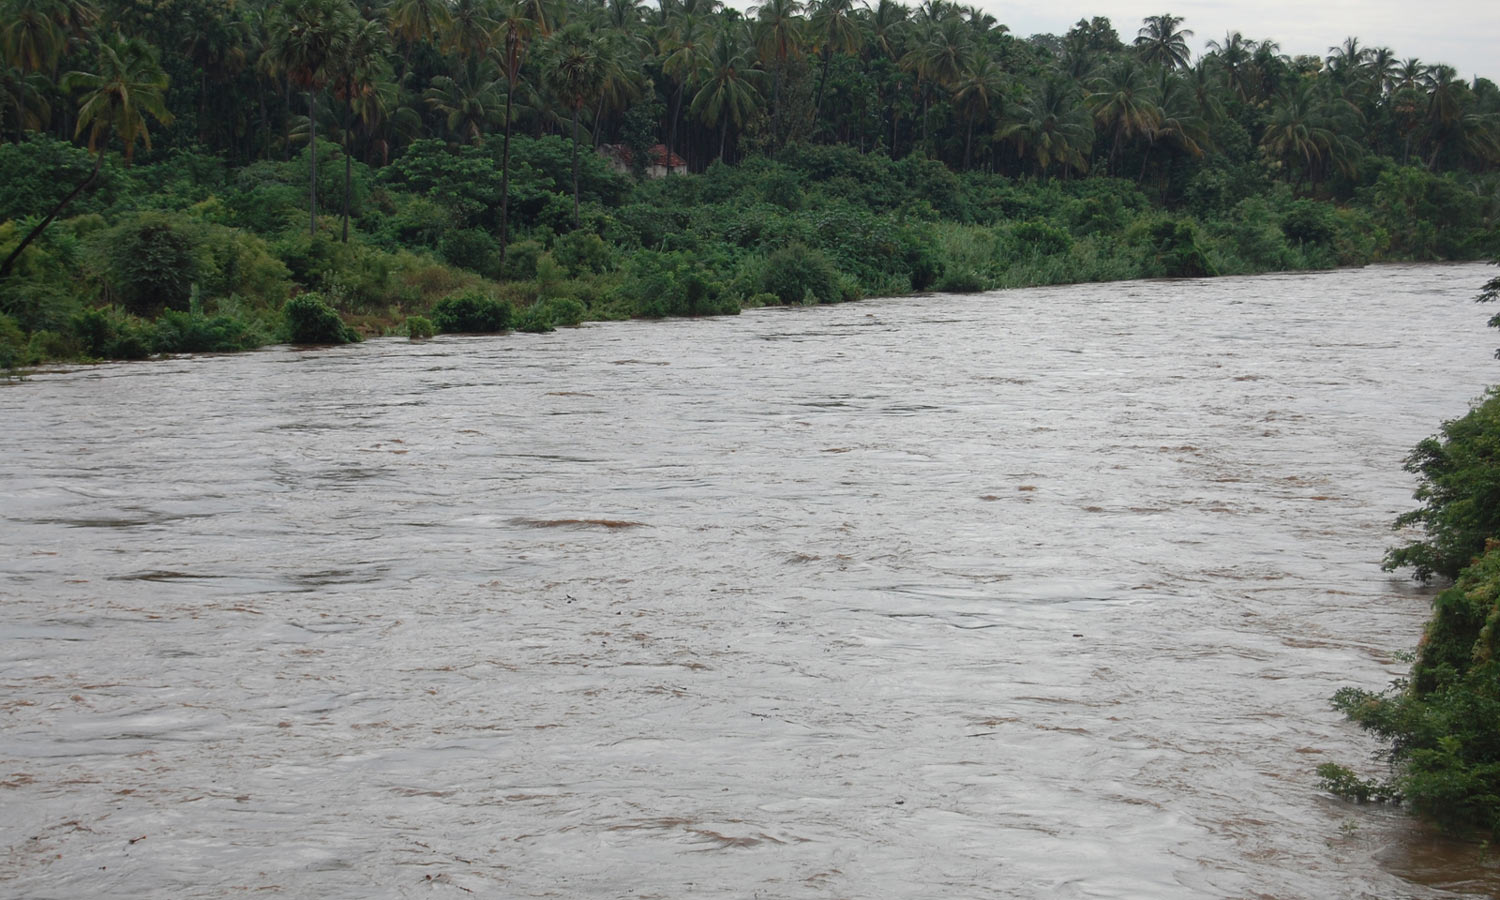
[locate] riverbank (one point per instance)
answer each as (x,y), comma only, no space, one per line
(188,255)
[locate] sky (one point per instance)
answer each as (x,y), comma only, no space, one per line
(1464,34)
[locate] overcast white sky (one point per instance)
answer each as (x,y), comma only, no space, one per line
(1462,33)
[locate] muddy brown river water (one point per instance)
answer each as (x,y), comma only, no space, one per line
(1032,594)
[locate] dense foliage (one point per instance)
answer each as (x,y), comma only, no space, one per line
(1441,725)
(387,155)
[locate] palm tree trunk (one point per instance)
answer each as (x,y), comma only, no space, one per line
(505,177)
(723,133)
(41,226)
(822,81)
(348,177)
(676,114)
(286,148)
(575,167)
(776,106)
(312,190)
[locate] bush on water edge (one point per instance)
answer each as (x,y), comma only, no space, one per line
(1440,726)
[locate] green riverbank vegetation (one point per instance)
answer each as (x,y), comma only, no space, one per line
(211,175)
(1441,725)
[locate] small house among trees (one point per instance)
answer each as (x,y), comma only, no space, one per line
(660,162)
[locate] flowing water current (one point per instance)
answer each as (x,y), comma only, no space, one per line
(1040,593)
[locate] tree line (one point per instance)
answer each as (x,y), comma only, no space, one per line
(254,80)
(213,158)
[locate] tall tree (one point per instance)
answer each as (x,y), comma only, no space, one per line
(834,31)
(1306,132)
(32,43)
(1160,41)
(727,84)
(1050,127)
(356,71)
(306,36)
(684,42)
(1234,58)
(521,22)
(471,27)
(128,87)
(778,38)
(575,74)
(1123,107)
(976,93)
(938,56)
(415,21)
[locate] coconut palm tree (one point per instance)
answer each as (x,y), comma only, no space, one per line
(885,24)
(31,41)
(30,36)
(25,95)
(1050,126)
(977,92)
(306,36)
(684,42)
(1347,61)
(575,74)
(521,22)
(1160,41)
(1235,60)
(1306,132)
(1178,124)
(1122,106)
(354,72)
(128,88)
(727,84)
(834,31)
(470,103)
(415,21)
(938,57)
(622,77)
(778,38)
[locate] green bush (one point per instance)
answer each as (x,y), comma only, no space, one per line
(111,334)
(1441,723)
(798,274)
(39,303)
(1177,252)
(308,319)
(564,311)
(520,260)
(582,252)
(13,344)
(419,328)
(472,312)
(153,263)
(1038,238)
(535,319)
(1458,484)
(469,248)
(194,332)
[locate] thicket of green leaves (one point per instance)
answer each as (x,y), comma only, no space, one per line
(213,160)
(1441,725)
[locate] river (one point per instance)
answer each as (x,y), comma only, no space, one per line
(1039,593)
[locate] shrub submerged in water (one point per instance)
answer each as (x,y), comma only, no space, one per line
(310,320)
(419,328)
(472,312)
(798,272)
